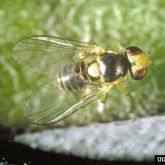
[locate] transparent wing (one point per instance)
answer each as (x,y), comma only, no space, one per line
(50,105)
(47,55)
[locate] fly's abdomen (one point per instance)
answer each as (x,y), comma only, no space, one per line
(71,78)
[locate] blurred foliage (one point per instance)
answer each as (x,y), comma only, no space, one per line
(106,23)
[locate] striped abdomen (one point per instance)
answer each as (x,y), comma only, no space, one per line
(71,78)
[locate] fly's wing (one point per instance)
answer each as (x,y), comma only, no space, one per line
(47,55)
(50,105)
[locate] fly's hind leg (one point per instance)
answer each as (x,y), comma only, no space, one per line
(101,102)
(103,98)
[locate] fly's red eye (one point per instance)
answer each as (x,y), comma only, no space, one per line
(133,50)
(140,74)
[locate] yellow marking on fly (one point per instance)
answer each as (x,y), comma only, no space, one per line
(143,60)
(103,98)
(118,84)
(93,70)
(96,51)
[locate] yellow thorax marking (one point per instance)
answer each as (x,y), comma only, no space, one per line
(93,70)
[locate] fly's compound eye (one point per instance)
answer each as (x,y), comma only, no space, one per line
(133,51)
(139,74)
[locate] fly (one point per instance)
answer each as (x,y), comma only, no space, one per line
(78,73)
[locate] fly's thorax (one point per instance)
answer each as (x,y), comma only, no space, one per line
(113,66)
(71,77)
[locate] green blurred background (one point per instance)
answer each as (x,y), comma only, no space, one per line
(104,22)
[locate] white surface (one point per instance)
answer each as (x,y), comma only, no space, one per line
(130,140)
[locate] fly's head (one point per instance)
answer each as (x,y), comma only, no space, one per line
(139,62)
